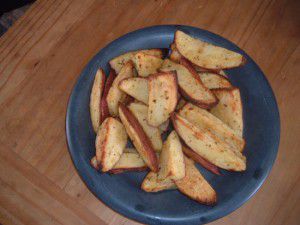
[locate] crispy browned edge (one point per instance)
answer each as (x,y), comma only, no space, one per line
(104,106)
(122,170)
(244,60)
(197,158)
(174,74)
(141,135)
(201,104)
(105,142)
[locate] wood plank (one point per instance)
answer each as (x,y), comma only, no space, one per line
(24,180)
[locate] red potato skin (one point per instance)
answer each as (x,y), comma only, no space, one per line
(197,158)
(191,69)
(142,135)
(103,104)
(136,169)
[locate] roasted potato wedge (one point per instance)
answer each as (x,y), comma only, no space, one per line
(146,64)
(104,106)
(198,159)
(129,162)
(162,97)
(205,120)
(195,186)
(110,142)
(208,145)
(214,80)
(171,162)
(190,84)
(175,55)
(139,138)
(140,112)
(115,95)
(94,163)
(137,87)
(151,183)
(95,99)
(206,55)
(118,62)
(229,108)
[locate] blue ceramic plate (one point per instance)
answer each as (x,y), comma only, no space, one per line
(122,192)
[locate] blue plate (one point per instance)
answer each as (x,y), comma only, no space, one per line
(122,192)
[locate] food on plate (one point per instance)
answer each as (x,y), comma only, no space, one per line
(206,55)
(104,106)
(229,108)
(115,95)
(175,55)
(198,159)
(146,64)
(151,183)
(214,80)
(129,161)
(195,186)
(136,87)
(145,91)
(205,120)
(171,162)
(140,111)
(162,97)
(110,142)
(190,84)
(164,126)
(95,99)
(139,138)
(208,145)
(118,62)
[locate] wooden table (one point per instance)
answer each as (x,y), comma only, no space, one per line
(41,57)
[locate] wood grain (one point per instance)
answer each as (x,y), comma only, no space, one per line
(44,52)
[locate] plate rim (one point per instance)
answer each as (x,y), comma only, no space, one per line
(137,216)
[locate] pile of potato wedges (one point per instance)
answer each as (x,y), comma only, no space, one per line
(186,96)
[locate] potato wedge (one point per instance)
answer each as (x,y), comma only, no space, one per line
(137,87)
(195,186)
(206,55)
(198,159)
(104,106)
(110,142)
(146,64)
(162,97)
(164,126)
(175,55)
(171,162)
(139,138)
(214,80)
(94,163)
(130,150)
(95,99)
(205,120)
(118,62)
(140,111)
(190,85)
(208,145)
(222,73)
(152,184)
(115,95)
(229,108)
(129,162)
